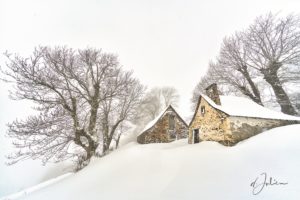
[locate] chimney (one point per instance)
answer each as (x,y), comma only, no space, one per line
(213,94)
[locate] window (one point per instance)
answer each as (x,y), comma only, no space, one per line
(171,122)
(202,110)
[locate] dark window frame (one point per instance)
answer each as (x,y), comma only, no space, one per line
(202,109)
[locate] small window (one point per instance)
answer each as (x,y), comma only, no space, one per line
(202,110)
(171,122)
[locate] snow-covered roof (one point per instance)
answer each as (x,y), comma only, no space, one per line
(161,114)
(243,107)
(153,122)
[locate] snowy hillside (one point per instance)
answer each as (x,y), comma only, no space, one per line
(177,170)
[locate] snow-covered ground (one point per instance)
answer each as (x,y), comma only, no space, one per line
(28,173)
(36,187)
(177,170)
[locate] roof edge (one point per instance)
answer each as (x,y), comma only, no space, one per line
(162,114)
(211,103)
(197,107)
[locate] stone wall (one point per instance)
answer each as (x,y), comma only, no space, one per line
(215,125)
(245,127)
(160,132)
(212,125)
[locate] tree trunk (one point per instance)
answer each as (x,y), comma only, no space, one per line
(255,95)
(94,103)
(106,144)
(109,133)
(281,96)
(254,89)
(118,140)
(90,148)
(104,148)
(247,93)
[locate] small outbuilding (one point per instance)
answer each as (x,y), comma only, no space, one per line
(166,127)
(230,119)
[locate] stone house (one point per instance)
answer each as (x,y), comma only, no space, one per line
(166,127)
(229,119)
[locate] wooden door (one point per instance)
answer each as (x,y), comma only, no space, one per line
(196,136)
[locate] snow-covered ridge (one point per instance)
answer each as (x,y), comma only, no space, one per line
(177,170)
(240,106)
(36,187)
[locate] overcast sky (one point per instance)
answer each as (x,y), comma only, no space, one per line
(165,42)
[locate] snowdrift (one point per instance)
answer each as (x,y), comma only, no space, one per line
(178,170)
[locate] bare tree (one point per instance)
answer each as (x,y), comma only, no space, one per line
(230,71)
(121,107)
(154,101)
(268,50)
(123,128)
(206,80)
(152,104)
(274,43)
(233,58)
(68,88)
(170,96)
(229,80)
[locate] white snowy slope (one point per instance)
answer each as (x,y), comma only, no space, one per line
(178,170)
(36,187)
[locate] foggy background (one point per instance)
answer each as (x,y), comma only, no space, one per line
(165,43)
